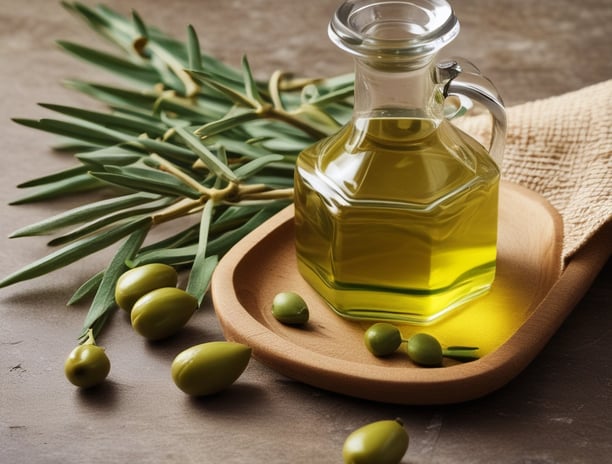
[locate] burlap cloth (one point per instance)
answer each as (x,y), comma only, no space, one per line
(561,147)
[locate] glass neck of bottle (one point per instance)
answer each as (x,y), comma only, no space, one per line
(397,91)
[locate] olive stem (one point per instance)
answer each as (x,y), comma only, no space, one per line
(172,97)
(284,116)
(181,208)
(233,194)
(191,87)
(459,353)
(268,195)
(274,89)
(465,354)
(199,164)
(167,166)
(90,340)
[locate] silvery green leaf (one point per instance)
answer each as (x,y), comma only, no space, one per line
(256,165)
(183,238)
(78,130)
(151,183)
(56,176)
(75,184)
(88,288)
(231,121)
(272,182)
(222,244)
(104,300)
(208,157)
(74,252)
(139,72)
(139,24)
(85,213)
(103,222)
(250,85)
(193,49)
(101,23)
(113,95)
(239,147)
(200,274)
(130,123)
(182,255)
(113,156)
(168,150)
(232,94)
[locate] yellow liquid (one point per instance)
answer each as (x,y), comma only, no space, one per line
(396,219)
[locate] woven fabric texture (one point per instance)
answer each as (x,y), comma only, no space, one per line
(561,148)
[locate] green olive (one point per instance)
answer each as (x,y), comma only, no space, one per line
(381,442)
(424,349)
(141,280)
(162,312)
(87,366)
(290,308)
(210,367)
(382,339)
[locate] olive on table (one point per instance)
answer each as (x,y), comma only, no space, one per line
(290,308)
(162,312)
(87,365)
(382,339)
(210,367)
(381,442)
(140,280)
(424,349)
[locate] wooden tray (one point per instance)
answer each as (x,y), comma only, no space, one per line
(510,325)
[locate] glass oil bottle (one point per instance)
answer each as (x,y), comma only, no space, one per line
(396,214)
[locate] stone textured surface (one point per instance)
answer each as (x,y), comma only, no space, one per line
(557,411)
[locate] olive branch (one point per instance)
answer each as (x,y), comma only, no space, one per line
(192,136)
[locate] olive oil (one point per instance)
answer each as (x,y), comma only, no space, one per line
(396,218)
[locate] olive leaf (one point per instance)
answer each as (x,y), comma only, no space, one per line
(113,95)
(104,299)
(73,252)
(113,156)
(78,183)
(248,149)
(272,182)
(81,130)
(118,65)
(200,274)
(230,121)
(51,178)
(250,84)
(220,245)
(127,123)
(177,256)
(112,219)
(210,160)
(184,237)
(193,48)
(169,150)
(139,24)
(104,21)
(88,288)
(247,170)
(148,181)
(234,95)
(85,213)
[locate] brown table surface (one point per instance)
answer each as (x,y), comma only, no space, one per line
(556,411)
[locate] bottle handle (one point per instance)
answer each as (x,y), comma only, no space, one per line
(462,78)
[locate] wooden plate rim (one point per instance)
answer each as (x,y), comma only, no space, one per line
(418,386)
